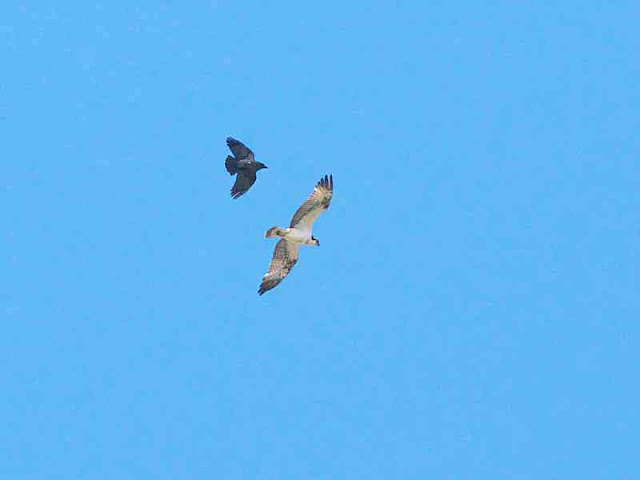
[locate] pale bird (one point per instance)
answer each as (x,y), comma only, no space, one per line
(285,254)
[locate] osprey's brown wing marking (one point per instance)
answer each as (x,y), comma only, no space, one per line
(244,180)
(239,149)
(284,258)
(317,203)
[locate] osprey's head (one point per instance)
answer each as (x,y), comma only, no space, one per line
(315,241)
(260,166)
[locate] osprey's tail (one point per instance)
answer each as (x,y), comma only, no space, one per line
(231,164)
(275,232)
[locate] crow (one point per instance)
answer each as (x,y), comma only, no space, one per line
(243,164)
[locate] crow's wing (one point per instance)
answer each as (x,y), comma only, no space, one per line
(239,149)
(317,203)
(284,258)
(244,180)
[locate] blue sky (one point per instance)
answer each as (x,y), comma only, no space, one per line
(472,311)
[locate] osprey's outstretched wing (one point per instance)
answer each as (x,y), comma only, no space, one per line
(244,180)
(317,203)
(284,258)
(239,149)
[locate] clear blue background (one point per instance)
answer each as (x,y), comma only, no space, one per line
(472,312)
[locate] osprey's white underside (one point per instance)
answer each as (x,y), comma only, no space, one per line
(295,235)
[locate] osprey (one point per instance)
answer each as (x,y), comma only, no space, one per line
(285,254)
(242,163)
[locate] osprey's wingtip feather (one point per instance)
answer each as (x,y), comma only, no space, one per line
(326,182)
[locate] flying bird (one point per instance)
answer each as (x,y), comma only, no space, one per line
(285,254)
(243,164)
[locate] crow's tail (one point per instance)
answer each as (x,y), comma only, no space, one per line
(232,165)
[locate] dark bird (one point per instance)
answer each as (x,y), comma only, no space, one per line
(285,254)
(243,164)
